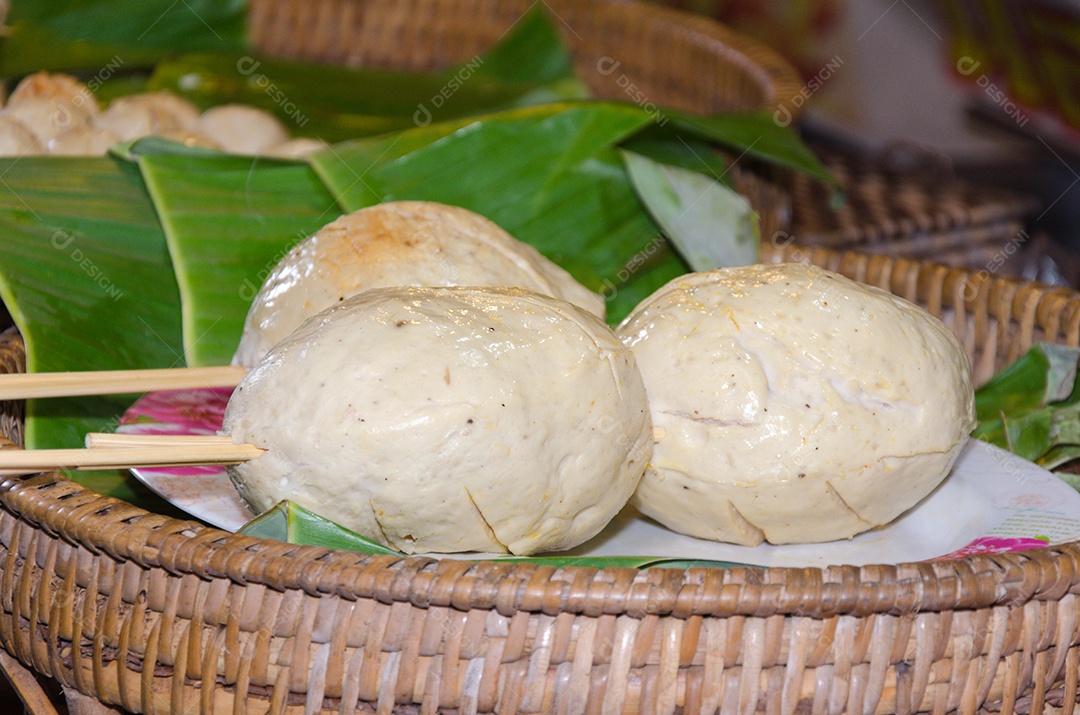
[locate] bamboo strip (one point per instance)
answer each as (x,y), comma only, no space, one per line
(178,451)
(110,440)
(108,382)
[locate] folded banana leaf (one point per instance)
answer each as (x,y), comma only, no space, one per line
(531,65)
(753,134)
(101,37)
(228,220)
(549,175)
(86,275)
(552,176)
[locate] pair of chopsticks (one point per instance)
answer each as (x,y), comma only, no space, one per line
(122,451)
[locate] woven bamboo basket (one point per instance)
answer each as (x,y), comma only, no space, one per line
(916,212)
(159,615)
(165,616)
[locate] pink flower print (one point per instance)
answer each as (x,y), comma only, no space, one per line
(997,545)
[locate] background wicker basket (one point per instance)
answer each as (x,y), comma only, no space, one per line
(915,211)
(165,616)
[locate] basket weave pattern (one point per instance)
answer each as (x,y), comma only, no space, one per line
(913,213)
(666,54)
(167,616)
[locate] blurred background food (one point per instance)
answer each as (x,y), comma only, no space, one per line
(980,90)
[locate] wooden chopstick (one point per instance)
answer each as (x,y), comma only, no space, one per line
(160,451)
(111,440)
(20,386)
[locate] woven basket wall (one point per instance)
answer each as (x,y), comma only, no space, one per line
(916,213)
(164,616)
(678,60)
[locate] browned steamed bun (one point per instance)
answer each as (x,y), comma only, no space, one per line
(47,104)
(793,405)
(417,243)
(447,419)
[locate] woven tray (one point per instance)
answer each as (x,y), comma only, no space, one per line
(165,616)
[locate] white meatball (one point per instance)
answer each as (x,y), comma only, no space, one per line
(446,420)
(241,129)
(397,243)
(141,115)
(16,139)
(793,405)
(83,140)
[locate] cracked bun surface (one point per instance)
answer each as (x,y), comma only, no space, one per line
(418,243)
(793,405)
(447,420)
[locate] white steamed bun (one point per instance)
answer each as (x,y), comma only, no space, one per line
(397,243)
(446,420)
(58,87)
(793,405)
(83,140)
(140,115)
(16,139)
(241,129)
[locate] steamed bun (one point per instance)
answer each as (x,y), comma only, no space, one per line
(793,405)
(295,148)
(16,139)
(397,243)
(83,140)
(140,115)
(49,103)
(447,419)
(54,86)
(241,129)
(47,116)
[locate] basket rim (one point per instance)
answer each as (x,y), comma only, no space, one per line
(775,73)
(101,524)
(777,78)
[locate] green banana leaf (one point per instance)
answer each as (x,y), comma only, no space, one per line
(86,275)
(101,37)
(530,66)
(550,175)
(1032,407)
(754,134)
(1062,456)
(293,524)
(685,152)
(289,522)
(228,221)
(710,225)
(1045,374)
